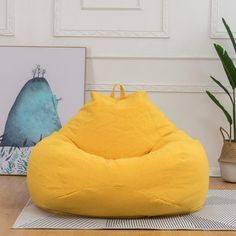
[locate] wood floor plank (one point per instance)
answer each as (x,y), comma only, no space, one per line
(14,195)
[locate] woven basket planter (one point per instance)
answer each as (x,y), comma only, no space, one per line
(227,158)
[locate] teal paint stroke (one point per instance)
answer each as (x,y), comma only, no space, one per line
(33,115)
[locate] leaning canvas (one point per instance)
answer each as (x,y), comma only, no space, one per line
(37,96)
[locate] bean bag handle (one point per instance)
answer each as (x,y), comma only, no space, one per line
(122,91)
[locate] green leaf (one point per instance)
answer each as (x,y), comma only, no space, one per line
(214,99)
(229,33)
(223,87)
(227,64)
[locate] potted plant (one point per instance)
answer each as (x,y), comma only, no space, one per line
(227,158)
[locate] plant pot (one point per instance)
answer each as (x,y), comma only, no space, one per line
(228,171)
(227,161)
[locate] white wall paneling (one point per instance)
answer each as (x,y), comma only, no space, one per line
(111,5)
(6,17)
(115,18)
(222,8)
(161,46)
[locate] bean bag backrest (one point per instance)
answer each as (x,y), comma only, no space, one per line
(118,127)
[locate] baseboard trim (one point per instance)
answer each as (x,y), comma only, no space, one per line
(214,172)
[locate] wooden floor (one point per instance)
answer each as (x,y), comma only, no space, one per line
(14,195)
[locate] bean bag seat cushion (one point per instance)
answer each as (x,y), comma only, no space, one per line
(118,157)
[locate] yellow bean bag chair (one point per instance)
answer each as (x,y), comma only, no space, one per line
(118,157)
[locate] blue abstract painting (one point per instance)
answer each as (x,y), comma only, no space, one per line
(32,117)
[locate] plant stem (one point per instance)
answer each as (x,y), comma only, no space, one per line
(234,120)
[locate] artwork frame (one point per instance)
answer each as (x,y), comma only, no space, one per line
(36,104)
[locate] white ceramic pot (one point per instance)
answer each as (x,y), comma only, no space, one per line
(228,171)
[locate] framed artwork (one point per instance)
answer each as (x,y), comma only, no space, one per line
(41,88)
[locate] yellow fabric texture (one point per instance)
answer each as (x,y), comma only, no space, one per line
(118,157)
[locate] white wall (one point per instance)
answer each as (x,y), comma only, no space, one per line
(163,46)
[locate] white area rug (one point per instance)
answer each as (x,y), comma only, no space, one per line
(219,213)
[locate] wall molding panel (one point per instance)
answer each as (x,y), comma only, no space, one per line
(111,5)
(160,88)
(113,57)
(61,31)
(8,29)
(215,16)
